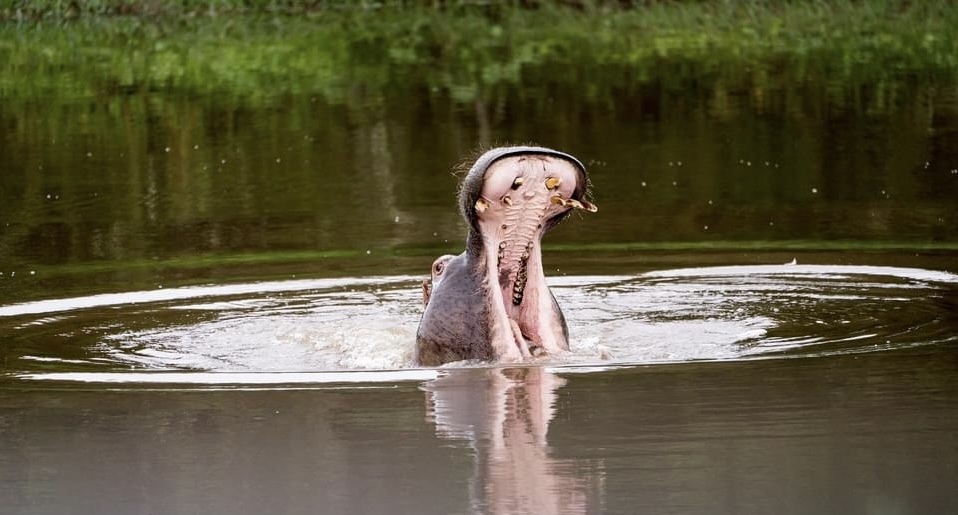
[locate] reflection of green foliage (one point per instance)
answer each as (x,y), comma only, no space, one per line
(198,142)
(399,260)
(463,51)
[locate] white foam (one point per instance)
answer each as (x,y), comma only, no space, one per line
(832,271)
(237,378)
(190,292)
(328,331)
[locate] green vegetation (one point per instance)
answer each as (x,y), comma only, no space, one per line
(261,49)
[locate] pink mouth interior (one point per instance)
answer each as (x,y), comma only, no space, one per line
(519,195)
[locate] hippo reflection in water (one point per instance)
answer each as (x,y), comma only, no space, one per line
(491,302)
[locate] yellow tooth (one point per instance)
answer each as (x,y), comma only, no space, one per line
(553,182)
(583,205)
(507,200)
(557,200)
(481,205)
(518,182)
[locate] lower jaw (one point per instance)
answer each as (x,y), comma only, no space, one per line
(517,295)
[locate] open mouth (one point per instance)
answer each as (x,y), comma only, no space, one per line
(521,198)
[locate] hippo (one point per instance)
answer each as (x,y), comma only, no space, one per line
(492,303)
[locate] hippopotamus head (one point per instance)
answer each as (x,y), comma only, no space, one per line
(492,302)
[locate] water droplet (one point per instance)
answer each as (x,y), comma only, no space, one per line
(33,272)
(396,220)
(814,190)
(643,184)
(679,163)
(674,183)
(279,159)
(196,147)
(167,150)
(89,154)
(368,252)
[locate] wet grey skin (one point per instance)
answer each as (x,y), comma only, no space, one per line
(492,303)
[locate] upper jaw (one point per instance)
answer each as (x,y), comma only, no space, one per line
(474,182)
(521,198)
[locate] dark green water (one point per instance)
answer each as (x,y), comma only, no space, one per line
(130,191)
(304,219)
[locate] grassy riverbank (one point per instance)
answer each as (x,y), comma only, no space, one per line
(262,49)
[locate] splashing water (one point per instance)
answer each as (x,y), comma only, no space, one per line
(315,327)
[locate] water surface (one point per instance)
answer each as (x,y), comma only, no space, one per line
(208,302)
(872,433)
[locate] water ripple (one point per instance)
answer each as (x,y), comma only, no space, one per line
(297,331)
